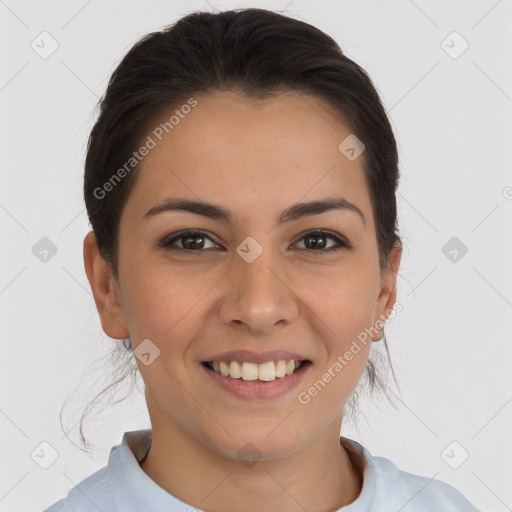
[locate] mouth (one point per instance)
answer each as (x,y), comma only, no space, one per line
(265,372)
(252,381)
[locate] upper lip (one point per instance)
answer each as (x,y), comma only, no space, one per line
(255,357)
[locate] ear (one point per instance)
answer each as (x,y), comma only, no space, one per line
(104,289)
(387,296)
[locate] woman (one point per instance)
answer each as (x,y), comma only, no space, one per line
(240,183)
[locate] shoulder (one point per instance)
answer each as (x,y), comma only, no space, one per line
(90,495)
(410,492)
(120,484)
(387,488)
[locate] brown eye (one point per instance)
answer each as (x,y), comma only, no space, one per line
(195,240)
(316,241)
(192,240)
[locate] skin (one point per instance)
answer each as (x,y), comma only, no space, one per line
(256,158)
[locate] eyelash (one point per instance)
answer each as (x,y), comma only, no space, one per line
(167,242)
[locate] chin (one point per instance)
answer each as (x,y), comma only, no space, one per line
(250,444)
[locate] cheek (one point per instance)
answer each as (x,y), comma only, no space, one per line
(345,304)
(346,310)
(163,303)
(163,307)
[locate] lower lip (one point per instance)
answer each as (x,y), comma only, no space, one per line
(257,389)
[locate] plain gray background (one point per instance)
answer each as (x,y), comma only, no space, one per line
(450,346)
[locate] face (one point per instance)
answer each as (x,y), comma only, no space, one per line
(251,282)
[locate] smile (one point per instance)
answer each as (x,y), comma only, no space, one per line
(256,381)
(266,372)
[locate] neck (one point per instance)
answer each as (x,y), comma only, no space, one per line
(324,476)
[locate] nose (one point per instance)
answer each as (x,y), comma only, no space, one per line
(258,297)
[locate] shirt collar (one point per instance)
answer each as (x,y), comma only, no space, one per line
(364,462)
(132,490)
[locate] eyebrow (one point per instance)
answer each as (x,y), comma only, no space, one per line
(219,213)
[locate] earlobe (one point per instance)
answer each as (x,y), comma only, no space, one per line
(102,282)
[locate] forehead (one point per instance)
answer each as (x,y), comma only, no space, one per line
(239,151)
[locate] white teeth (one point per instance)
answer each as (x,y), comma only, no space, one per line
(235,370)
(280,368)
(224,369)
(266,372)
(249,371)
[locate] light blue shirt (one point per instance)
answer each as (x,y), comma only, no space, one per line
(122,486)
